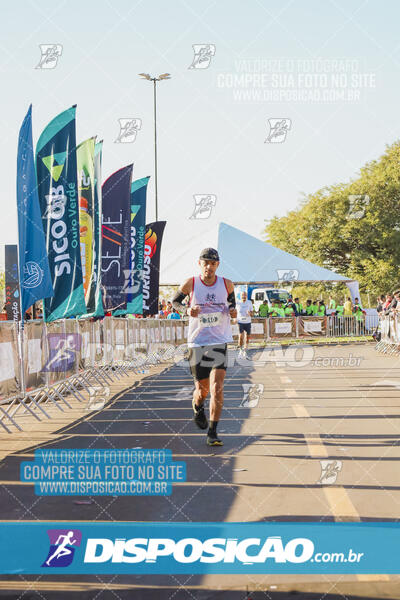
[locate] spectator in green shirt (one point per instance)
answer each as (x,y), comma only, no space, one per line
(339,310)
(315,307)
(280,310)
(264,309)
(289,312)
(299,306)
(309,308)
(321,309)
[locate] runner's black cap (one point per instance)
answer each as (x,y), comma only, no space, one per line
(209,254)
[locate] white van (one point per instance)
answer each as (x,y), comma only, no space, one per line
(269,294)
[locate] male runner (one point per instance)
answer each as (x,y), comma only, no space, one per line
(211,306)
(245,312)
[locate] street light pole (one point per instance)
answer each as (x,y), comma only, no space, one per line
(154,80)
(155,144)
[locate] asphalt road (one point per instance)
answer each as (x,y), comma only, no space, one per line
(331,403)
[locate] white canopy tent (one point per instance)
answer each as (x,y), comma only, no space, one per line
(243,258)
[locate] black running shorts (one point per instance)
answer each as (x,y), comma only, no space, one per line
(245,327)
(202,359)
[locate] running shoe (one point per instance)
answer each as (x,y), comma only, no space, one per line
(213,439)
(199,416)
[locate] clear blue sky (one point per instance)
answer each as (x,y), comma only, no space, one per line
(211,128)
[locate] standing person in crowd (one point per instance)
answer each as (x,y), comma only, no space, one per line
(264,309)
(380,302)
(174,314)
(339,310)
(321,309)
(332,303)
(279,309)
(393,303)
(315,307)
(245,312)
(359,314)
(289,310)
(387,302)
(348,308)
(299,306)
(309,308)
(272,311)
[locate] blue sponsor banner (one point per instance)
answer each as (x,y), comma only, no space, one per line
(57,180)
(199,548)
(95,297)
(138,232)
(116,238)
(34,270)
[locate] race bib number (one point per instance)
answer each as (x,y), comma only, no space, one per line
(210,319)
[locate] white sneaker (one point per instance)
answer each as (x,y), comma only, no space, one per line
(240,355)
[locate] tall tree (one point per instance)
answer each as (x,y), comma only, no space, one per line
(352,228)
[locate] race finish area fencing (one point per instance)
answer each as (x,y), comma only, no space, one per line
(390,335)
(43,364)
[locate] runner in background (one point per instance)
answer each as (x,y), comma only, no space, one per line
(245,312)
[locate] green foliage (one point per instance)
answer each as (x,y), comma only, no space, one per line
(360,241)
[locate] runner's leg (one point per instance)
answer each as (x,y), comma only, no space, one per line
(201,390)
(217,393)
(216,403)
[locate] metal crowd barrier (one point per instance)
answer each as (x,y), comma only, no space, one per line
(389,326)
(45,364)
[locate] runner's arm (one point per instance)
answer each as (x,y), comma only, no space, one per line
(231,298)
(184,290)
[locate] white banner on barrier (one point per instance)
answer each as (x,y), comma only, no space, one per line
(312,326)
(7,370)
(119,337)
(34,356)
(257,328)
(85,351)
(283,328)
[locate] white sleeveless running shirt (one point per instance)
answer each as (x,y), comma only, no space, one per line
(213,325)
